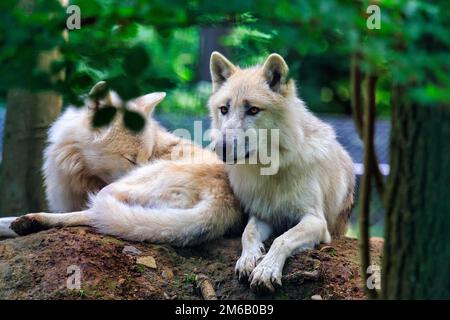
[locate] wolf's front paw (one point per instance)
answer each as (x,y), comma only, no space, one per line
(27,224)
(248,261)
(265,277)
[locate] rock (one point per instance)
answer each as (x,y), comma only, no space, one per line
(131,250)
(327,249)
(316,297)
(167,274)
(35,267)
(168,297)
(147,261)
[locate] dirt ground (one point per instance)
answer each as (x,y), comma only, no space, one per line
(35,267)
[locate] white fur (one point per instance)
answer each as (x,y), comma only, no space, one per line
(79,160)
(163,224)
(313,187)
(181,198)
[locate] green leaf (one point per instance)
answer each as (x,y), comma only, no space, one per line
(133,121)
(72,98)
(80,81)
(103,116)
(136,61)
(126,87)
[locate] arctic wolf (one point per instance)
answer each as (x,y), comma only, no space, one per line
(178,193)
(80,160)
(309,198)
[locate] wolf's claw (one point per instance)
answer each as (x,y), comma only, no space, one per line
(27,224)
(248,261)
(244,266)
(265,277)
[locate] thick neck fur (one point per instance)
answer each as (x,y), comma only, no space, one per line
(304,141)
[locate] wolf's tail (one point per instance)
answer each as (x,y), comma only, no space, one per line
(341,224)
(179,227)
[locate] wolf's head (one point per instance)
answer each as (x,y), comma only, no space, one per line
(251,100)
(114,150)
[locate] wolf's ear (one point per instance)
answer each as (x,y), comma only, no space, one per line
(221,69)
(100,92)
(148,102)
(275,71)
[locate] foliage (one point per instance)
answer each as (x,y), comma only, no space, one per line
(139,46)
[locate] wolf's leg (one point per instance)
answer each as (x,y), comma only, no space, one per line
(254,234)
(5,230)
(35,222)
(311,230)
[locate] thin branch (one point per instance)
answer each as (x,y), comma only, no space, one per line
(206,287)
(357,113)
(378,176)
(365,193)
(301,275)
(356,101)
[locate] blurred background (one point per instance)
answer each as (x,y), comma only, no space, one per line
(143,46)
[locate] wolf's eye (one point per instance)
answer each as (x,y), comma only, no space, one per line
(253,110)
(133,162)
(223,110)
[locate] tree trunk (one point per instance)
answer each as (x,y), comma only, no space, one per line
(28,117)
(368,131)
(209,42)
(416,261)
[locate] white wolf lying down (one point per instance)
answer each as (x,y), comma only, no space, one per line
(178,194)
(311,195)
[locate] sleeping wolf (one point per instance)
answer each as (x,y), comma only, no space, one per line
(153,186)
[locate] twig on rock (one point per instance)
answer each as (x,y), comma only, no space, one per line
(302,275)
(206,287)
